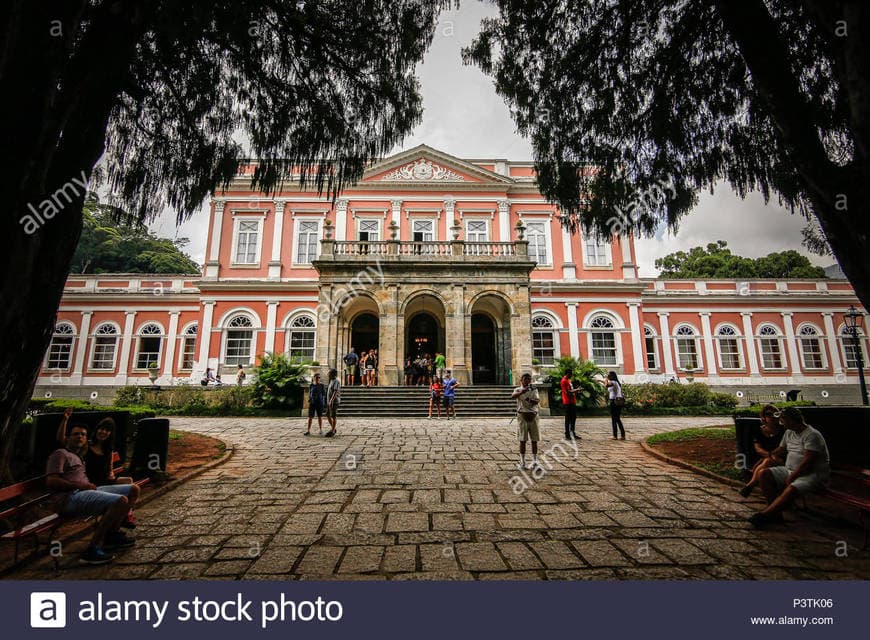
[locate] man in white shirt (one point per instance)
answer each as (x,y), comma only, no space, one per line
(527,419)
(807,467)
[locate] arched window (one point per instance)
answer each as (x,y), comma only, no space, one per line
(811,348)
(850,351)
(60,349)
(652,351)
(188,347)
(105,344)
(729,347)
(770,346)
(240,340)
(687,348)
(603,341)
(543,340)
(150,341)
(302,337)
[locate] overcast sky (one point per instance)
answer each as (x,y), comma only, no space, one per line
(464,117)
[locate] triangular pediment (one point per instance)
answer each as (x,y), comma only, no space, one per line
(426,165)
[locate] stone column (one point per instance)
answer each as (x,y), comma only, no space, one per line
(325,325)
(82,347)
(449,212)
(833,348)
(271,322)
(667,353)
(751,357)
(636,337)
(795,367)
(388,336)
(217,221)
(573,333)
(521,332)
(458,329)
(171,340)
(709,350)
(277,233)
(126,344)
(204,336)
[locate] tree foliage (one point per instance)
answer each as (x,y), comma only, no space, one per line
(584,374)
(716,261)
(278,381)
(112,242)
(634,106)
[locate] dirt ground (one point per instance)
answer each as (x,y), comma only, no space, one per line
(713,454)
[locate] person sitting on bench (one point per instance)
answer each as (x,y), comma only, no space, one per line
(807,467)
(765,439)
(76,496)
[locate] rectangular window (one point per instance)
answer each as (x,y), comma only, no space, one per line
(59,353)
(149,352)
(423,232)
(595,252)
(542,346)
(306,241)
(369,230)
(850,352)
(476,231)
(104,353)
(239,346)
(604,348)
(247,241)
(536,234)
(651,358)
(729,353)
(687,353)
(302,344)
(188,352)
(771,355)
(811,350)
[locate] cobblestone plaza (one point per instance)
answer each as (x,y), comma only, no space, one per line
(429,499)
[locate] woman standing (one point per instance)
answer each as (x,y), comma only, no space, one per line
(371,367)
(617,401)
(333,400)
(435,396)
(409,371)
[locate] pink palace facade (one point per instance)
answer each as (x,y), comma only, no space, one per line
(429,252)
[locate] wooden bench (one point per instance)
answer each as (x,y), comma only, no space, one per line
(31,495)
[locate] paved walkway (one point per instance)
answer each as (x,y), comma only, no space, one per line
(403,499)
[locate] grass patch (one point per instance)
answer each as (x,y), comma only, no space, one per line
(176,435)
(684,435)
(727,470)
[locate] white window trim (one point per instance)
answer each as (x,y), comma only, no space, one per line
(183,336)
(138,344)
(608,248)
(842,337)
(555,330)
(289,329)
(699,356)
(380,222)
(741,360)
(237,220)
(486,224)
(296,224)
(548,242)
(780,342)
(819,340)
(72,347)
(119,343)
(616,330)
(656,351)
(226,328)
(432,219)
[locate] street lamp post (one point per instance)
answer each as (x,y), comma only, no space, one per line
(853,320)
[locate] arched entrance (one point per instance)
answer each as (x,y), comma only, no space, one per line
(483,354)
(422,335)
(364,332)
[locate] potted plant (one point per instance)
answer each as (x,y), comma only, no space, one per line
(153,373)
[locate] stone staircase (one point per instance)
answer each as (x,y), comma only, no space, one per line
(477,400)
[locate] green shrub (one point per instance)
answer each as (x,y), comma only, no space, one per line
(279,381)
(584,374)
(128,395)
(696,394)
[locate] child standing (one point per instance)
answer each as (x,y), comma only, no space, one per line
(435,396)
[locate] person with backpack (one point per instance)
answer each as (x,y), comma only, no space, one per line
(351,360)
(333,400)
(316,403)
(617,402)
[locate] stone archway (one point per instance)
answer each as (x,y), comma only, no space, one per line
(490,346)
(424,325)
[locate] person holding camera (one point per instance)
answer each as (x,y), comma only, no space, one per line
(527,419)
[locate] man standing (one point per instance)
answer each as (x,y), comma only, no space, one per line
(76,496)
(440,364)
(316,403)
(527,419)
(807,467)
(569,401)
(350,363)
(333,400)
(450,384)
